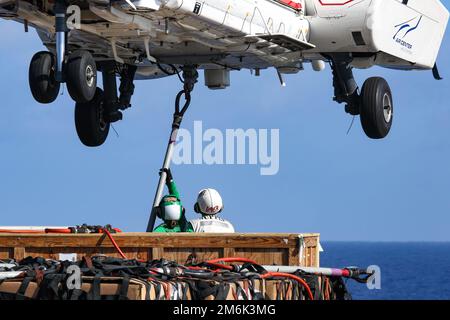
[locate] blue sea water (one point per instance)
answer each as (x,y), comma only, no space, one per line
(408,270)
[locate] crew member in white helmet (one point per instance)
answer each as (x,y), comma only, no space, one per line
(209,204)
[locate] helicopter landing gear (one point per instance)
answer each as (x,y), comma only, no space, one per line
(374,104)
(94,117)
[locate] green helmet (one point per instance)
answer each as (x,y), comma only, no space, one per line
(170,208)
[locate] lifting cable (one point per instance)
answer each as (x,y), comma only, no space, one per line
(190,76)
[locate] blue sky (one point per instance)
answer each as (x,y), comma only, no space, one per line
(346,187)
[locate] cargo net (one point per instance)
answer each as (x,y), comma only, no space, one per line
(106,278)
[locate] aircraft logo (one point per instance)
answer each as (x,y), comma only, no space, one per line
(405,28)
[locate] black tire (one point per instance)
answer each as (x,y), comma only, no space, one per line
(81,76)
(41,77)
(377,108)
(91,127)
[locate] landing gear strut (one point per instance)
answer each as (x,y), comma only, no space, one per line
(60,8)
(93,118)
(374,104)
(46,69)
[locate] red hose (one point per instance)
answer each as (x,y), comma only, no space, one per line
(220,266)
(234,259)
(115,244)
(345,273)
(22,231)
(68,230)
(291,276)
(264,276)
(216,262)
(65,230)
(48,230)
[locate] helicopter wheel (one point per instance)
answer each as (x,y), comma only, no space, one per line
(92,128)
(377,108)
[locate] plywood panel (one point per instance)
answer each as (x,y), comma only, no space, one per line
(175,240)
(157,253)
(6,253)
(264,256)
(182,255)
(53,253)
(228,252)
(19,253)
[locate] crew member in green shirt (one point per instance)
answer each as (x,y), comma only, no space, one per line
(171,210)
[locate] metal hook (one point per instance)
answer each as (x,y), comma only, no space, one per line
(187,96)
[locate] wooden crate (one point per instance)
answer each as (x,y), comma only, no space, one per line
(268,249)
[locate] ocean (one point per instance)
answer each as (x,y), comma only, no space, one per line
(408,270)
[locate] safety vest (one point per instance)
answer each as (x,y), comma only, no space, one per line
(212,224)
(182,226)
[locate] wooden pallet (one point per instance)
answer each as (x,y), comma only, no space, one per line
(267,249)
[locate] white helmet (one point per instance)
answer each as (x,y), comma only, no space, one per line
(209,202)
